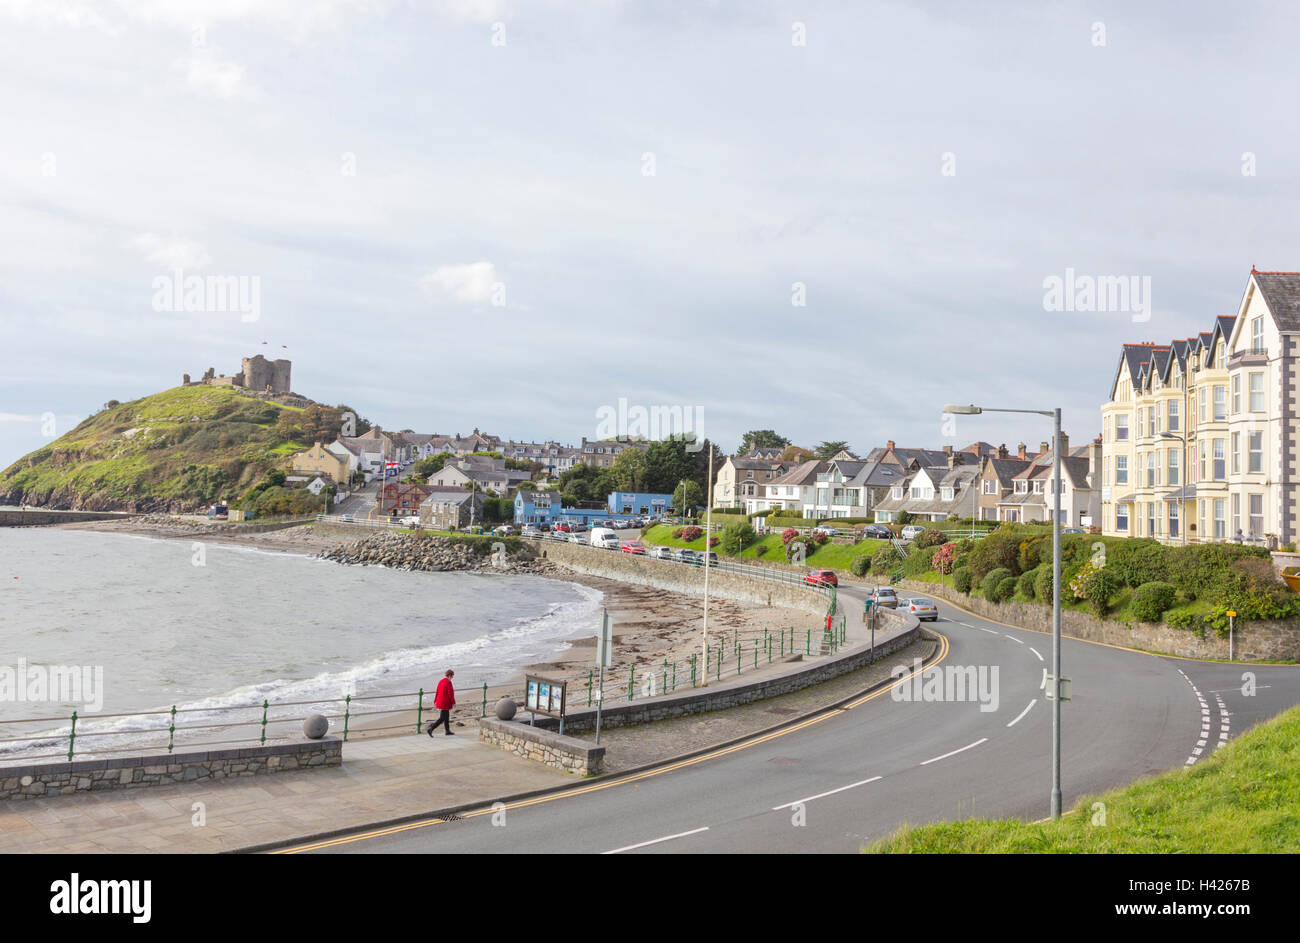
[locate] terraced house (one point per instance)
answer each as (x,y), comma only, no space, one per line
(1200,435)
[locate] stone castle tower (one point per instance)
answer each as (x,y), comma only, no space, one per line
(260,374)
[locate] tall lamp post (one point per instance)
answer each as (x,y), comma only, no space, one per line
(1056,690)
(1182,486)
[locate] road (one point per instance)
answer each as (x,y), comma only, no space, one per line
(855,774)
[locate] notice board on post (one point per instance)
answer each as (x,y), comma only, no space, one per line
(544,696)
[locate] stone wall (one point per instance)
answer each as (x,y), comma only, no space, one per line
(1256,641)
(894,632)
(55,779)
(675,577)
(32,517)
(544,746)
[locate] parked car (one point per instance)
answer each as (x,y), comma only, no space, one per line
(1072,530)
(661,553)
(686,555)
(563,528)
(577,539)
(604,538)
(911,531)
(877,532)
(884,596)
(822,578)
(826,529)
(346,517)
(700,556)
(923,609)
(633,546)
(530,530)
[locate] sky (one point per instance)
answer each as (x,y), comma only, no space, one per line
(827,219)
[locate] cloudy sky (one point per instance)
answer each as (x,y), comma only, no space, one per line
(827,219)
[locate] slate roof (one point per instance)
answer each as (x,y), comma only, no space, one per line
(1282,295)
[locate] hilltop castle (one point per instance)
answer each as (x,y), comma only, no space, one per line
(257,374)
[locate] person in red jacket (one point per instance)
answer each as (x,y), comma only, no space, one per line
(444,700)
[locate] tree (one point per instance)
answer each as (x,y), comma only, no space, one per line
(761,439)
(428,466)
(794,453)
(667,463)
(687,496)
(736,536)
(630,470)
(827,450)
(349,417)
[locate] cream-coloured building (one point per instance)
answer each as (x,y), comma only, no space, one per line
(318,460)
(1199,435)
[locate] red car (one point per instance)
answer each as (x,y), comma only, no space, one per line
(633,546)
(563,528)
(822,578)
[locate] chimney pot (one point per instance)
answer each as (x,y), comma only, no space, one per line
(1020,450)
(1042,448)
(890,445)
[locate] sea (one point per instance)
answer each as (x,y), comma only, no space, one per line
(217,629)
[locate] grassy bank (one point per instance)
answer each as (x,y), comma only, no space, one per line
(1244,797)
(828,556)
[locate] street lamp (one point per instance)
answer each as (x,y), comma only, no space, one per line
(1182,524)
(972,410)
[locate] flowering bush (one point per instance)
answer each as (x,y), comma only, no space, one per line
(944,558)
(820,537)
(713,541)
(788,535)
(691,532)
(1079,584)
(677,533)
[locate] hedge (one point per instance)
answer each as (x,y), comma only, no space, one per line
(1151,600)
(989,585)
(962,580)
(1025,584)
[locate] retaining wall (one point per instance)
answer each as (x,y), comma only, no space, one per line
(33,517)
(543,745)
(1256,641)
(54,779)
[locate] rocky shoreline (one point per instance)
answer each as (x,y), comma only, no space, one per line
(427,552)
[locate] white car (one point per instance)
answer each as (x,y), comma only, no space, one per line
(923,609)
(912,531)
(662,553)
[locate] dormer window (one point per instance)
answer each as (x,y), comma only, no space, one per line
(1022,487)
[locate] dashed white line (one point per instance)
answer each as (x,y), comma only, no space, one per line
(1035,651)
(823,795)
(1014,639)
(655,841)
(955,752)
(1023,713)
(989,631)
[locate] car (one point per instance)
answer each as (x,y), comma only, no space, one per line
(884,597)
(558,535)
(530,530)
(924,609)
(822,578)
(1072,530)
(633,546)
(911,531)
(577,539)
(877,532)
(826,529)
(661,553)
(346,517)
(686,555)
(563,528)
(604,538)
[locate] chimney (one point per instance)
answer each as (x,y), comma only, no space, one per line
(1020,450)
(890,445)
(1065,445)
(954,458)
(1002,451)
(1042,448)
(947,450)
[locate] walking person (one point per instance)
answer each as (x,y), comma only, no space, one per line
(444,699)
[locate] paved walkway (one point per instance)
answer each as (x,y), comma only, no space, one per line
(380,779)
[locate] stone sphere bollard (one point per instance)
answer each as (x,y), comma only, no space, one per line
(506,708)
(315,726)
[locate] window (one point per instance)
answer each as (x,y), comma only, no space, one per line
(990,487)
(1153,420)
(1121,517)
(1256,463)
(1152,520)
(1236,514)
(1173,470)
(1220,525)
(1257,392)
(1218,460)
(1236,394)
(1202,416)
(1121,428)
(896,492)
(1220,404)
(1121,469)
(1257,336)
(1203,444)
(1173,518)
(1256,515)
(947,494)
(1022,486)
(1236,453)
(1173,415)
(1038,486)
(1151,470)
(1141,425)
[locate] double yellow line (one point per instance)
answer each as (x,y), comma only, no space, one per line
(940,655)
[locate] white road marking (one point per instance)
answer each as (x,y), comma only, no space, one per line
(1014,639)
(955,752)
(823,795)
(989,631)
(967,624)
(1023,712)
(1035,651)
(1042,685)
(655,841)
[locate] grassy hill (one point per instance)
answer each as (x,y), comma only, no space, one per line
(1244,797)
(175,450)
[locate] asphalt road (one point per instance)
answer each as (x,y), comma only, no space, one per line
(856,774)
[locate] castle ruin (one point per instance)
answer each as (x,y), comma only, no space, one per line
(256,374)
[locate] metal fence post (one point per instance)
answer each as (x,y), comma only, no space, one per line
(808,650)
(693,658)
(588,687)
(347,715)
(631,680)
(419,712)
(483,710)
(265,705)
(171,730)
(674,676)
(72,736)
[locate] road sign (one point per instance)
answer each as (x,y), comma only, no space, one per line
(1050,688)
(605,642)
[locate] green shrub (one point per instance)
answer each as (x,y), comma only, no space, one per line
(1029,552)
(1182,619)
(885,559)
(1139,561)
(962,580)
(1099,587)
(1003,590)
(930,537)
(919,562)
(1043,583)
(859,565)
(989,585)
(1025,583)
(994,552)
(736,536)
(1151,599)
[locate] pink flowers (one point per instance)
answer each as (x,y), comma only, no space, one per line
(944,558)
